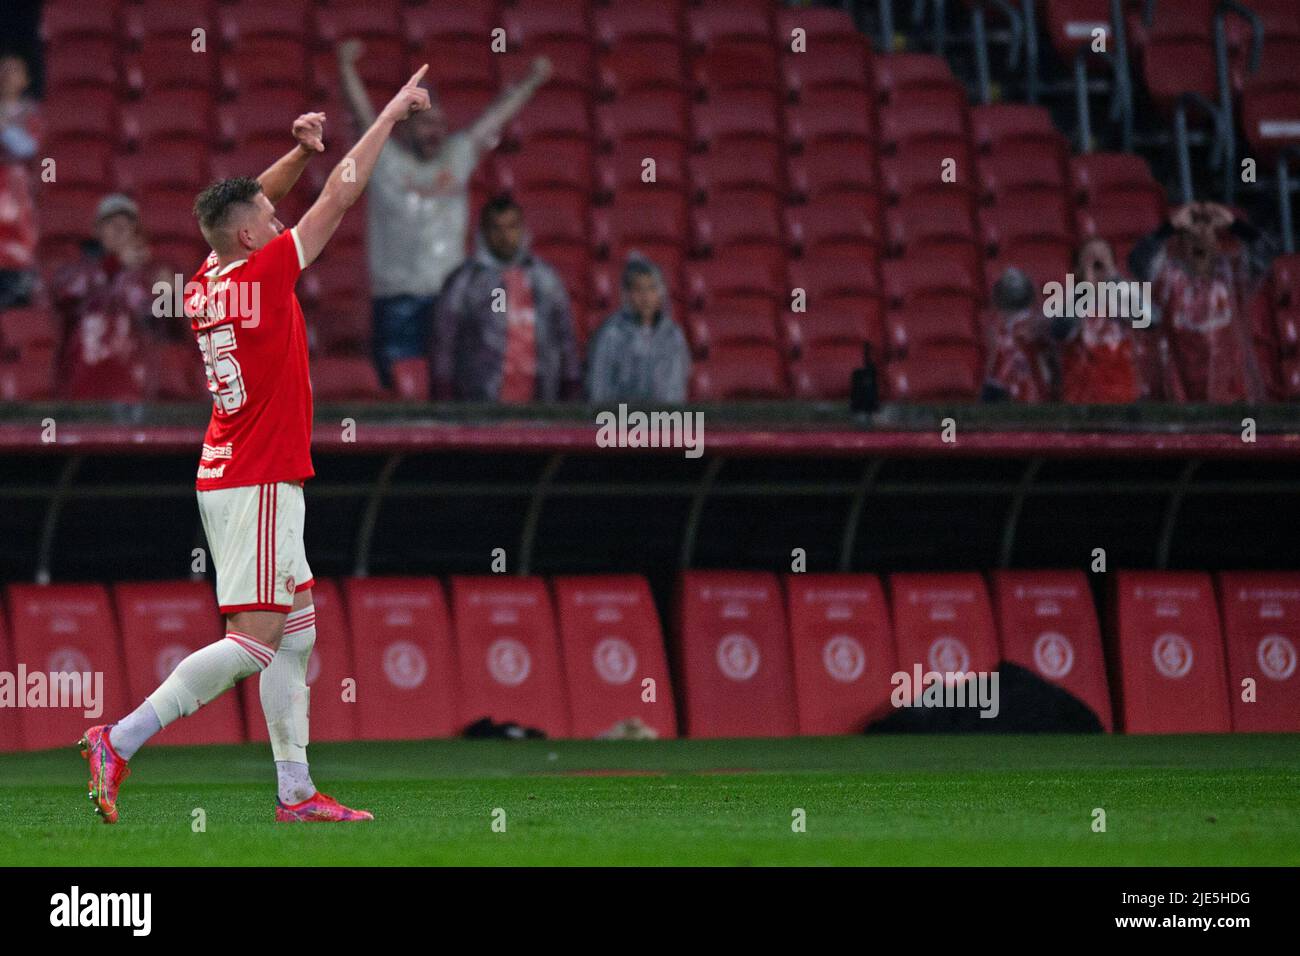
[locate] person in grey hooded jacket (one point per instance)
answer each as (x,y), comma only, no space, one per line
(639,353)
(502,328)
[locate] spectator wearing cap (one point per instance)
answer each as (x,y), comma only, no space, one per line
(105,301)
(19,143)
(503,330)
(1020,366)
(639,353)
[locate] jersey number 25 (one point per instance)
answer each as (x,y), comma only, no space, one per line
(225,377)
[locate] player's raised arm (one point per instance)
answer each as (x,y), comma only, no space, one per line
(280,177)
(348,180)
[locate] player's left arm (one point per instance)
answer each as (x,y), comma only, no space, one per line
(309,131)
(485,130)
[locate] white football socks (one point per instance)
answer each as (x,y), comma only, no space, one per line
(203,676)
(286,702)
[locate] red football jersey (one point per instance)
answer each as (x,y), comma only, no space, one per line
(253,337)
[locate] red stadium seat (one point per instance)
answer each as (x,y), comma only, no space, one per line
(843,649)
(531,19)
(730,19)
(553,112)
(405,662)
(81,113)
(81,160)
(735,65)
(823,278)
(174,114)
(465,18)
(63,21)
(67,211)
(337,378)
(334,713)
(734,675)
(509,661)
(729,327)
(832,169)
(556,215)
(1098,176)
(69,629)
(150,18)
(757,168)
(1270,109)
(918,327)
(625,166)
(9,738)
(1011,123)
(375,19)
(943,623)
(736,372)
(1037,214)
(1167,662)
(830,326)
(642,65)
(411,379)
(260,113)
(1048,625)
(573,63)
(835,228)
(26,329)
(162,623)
(1042,260)
(170,62)
(26,381)
(179,373)
(244,20)
(611,643)
(651,112)
(927,219)
(82,62)
(733,118)
(824,372)
(264,61)
(182,164)
(936,374)
(900,71)
(621,21)
(644,215)
(916,278)
(1071,25)
(908,124)
(934,165)
(830,115)
(560,162)
(819,24)
(744,221)
(1261,625)
(840,63)
(1008,168)
(1123,225)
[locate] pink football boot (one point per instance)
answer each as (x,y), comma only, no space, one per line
(107,771)
(318,809)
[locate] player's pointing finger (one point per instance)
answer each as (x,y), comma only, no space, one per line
(418,76)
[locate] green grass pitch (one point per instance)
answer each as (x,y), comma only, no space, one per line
(881,800)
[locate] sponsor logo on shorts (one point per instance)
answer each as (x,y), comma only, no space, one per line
(738,657)
(844,658)
(615,660)
(509,662)
(1053,655)
(1172,655)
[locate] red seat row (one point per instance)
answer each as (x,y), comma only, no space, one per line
(753,655)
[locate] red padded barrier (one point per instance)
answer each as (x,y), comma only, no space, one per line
(943,623)
(405,665)
(162,623)
(1047,624)
(66,628)
(611,642)
(843,650)
(1261,626)
(508,653)
(732,657)
(1168,654)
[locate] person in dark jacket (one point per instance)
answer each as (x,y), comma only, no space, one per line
(503,330)
(639,353)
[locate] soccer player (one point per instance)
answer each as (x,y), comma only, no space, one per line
(256,456)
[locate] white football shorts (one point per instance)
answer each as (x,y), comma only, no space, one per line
(255,539)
